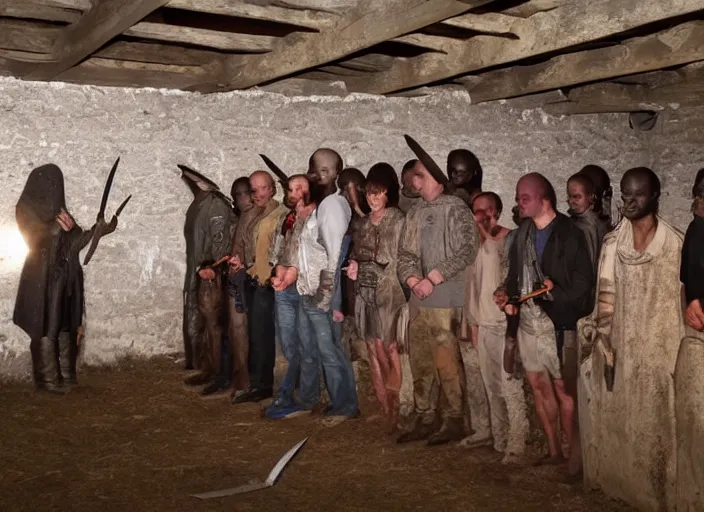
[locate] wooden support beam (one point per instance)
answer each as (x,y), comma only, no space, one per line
(299,18)
(435,43)
(371,23)
(27,36)
(157,53)
(576,23)
(616,97)
(527,9)
(107,72)
(229,41)
(681,44)
(489,23)
(37,11)
(81,5)
(98,25)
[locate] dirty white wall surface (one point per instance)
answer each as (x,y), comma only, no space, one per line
(133,283)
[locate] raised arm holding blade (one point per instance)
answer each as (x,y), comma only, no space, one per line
(50,297)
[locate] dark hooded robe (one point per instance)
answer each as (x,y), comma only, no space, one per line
(207,231)
(50,295)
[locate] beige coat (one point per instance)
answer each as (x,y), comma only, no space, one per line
(628,434)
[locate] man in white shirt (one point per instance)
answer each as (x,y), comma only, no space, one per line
(319,252)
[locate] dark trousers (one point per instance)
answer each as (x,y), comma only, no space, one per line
(262,332)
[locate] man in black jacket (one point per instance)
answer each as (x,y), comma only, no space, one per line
(549,252)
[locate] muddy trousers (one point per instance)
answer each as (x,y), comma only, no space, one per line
(210,303)
(238,339)
(507,404)
(192,330)
(435,359)
(689,409)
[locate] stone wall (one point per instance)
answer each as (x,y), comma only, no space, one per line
(133,284)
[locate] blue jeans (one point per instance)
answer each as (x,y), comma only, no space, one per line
(286,315)
(319,346)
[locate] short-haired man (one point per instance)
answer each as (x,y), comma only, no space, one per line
(438,242)
(262,350)
(509,423)
(549,252)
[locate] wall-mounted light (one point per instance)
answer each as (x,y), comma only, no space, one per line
(13,249)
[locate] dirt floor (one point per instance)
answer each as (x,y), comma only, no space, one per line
(132,438)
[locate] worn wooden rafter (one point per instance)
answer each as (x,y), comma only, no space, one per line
(305,18)
(575,23)
(370,23)
(104,20)
(228,41)
(681,44)
(605,97)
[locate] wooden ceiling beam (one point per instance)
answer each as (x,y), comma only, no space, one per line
(528,9)
(681,44)
(27,36)
(37,11)
(157,53)
(372,22)
(115,73)
(618,97)
(489,23)
(228,41)
(299,18)
(575,23)
(102,22)
(434,43)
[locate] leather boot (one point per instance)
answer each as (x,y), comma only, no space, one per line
(419,432)
(452,429)
(67,360)
(49,380)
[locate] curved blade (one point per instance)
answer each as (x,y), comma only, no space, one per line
(283,178)
(433,168)
(122,206)
(108,186)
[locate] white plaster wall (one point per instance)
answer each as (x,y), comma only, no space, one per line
(133,284)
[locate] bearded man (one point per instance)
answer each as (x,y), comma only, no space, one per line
(439,240)
(628,434)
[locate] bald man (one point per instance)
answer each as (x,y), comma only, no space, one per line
(465,174)
(549,252)
(262,350)
(319,253)
(629,429)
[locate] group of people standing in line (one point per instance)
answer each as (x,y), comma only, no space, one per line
(588,308)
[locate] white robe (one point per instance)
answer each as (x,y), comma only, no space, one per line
(628,435)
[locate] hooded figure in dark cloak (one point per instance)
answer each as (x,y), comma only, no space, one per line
(50,300)
(207,232)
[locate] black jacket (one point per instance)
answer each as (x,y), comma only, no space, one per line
(567,264)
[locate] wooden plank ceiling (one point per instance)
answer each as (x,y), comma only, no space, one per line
(606,55)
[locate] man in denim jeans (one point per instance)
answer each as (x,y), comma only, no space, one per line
(319,251)
(286,295)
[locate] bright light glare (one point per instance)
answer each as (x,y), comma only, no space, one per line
(13,250)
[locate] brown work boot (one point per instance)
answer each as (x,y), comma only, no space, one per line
(419,432)
(451,430)
(198,379)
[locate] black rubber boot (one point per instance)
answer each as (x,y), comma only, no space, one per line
(49,378)
(451,430)
(419,432)
(67,360)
